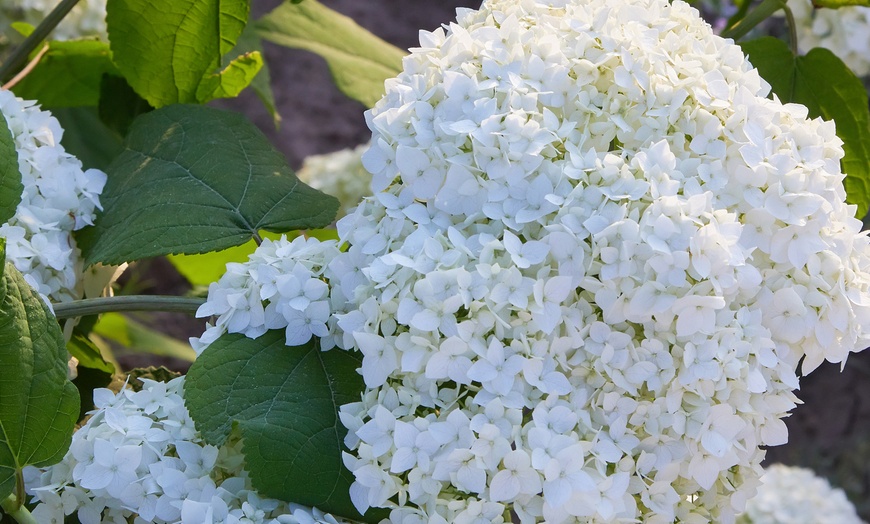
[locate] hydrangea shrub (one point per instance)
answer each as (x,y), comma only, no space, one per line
(595,257)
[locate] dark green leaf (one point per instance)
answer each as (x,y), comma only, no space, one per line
(38,404)
(68,75)
(285,401)
(119,104)
(829,89)
(360,62)
(170,50)
(11,187)
(194,179)
(86,137)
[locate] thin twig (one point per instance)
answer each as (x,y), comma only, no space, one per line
(20,55)
(27,69)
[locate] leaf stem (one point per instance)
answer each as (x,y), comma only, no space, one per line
(19,56)
(94,306)
(18,511)
(753,18)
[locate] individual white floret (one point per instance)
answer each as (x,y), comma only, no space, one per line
(797,496)
(58,198)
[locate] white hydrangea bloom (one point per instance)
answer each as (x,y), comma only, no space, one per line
(340,174)
(792,495)
(58,198)
(280,287)
(595,256)
(87,18)
(139,459)
(845,31)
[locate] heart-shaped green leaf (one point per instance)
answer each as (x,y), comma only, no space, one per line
(285,402)
(194,179)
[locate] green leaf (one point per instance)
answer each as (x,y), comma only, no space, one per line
(229,82)
(285,402)
(38,405)
(86,137)
(119,104)
(829,89)
(360,62)
(194,179)
(170,50)
(11,187)
(68,75)
(139,338)
(88,354)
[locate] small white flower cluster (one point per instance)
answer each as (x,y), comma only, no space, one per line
(791,495)
(280,287)
(58,198)
(340,174)
(139,459)
(87,18)
(595,256)
(845,31)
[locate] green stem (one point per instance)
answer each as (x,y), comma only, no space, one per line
(753,18)
(94,306)
(792,29)
(19,56)
(13,507)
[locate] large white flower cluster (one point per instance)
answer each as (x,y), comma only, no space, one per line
(87,18)
(594,258)
(58,198)
(340,174)
(280,287)
(139,459)
(845,31)
(791,495)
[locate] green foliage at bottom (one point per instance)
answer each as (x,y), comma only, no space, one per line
(285,402)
